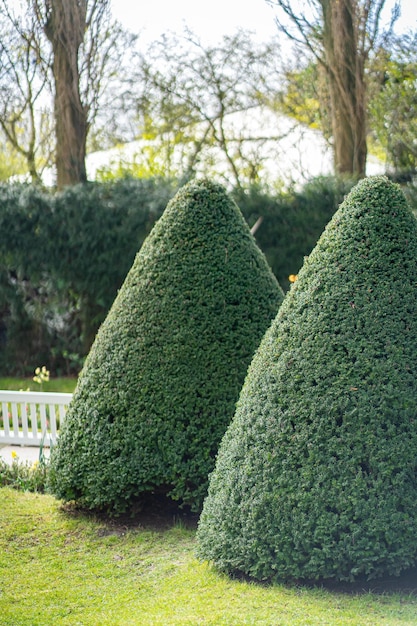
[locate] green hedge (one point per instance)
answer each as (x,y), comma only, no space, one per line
(161,381)
(62,259)
(64,256)
(316,477)
(24,215)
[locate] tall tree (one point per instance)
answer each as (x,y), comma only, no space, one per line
(340,35)
(68,51)
(65,22)
(83,39)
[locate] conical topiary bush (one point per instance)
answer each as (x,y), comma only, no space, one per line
(160,383)
(316,476)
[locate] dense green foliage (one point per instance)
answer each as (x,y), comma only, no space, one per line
(160,383)
(316,477)
(292,221)
(62,259)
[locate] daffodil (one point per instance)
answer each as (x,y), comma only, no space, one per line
(41,375)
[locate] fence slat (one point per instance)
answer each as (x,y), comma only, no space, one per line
(24,418)
(33,420)
(44,426)
(15,418)
(5,413)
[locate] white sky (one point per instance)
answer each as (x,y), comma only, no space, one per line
(211,19)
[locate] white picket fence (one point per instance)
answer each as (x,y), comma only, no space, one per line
(31,418)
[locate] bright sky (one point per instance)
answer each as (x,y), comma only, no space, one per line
(214,18)
(210,19)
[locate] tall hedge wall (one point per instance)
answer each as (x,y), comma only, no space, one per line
(316,477)
(160,383)
(62,259)
(64,256)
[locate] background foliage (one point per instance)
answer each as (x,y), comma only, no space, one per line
(62,259)
(64,256)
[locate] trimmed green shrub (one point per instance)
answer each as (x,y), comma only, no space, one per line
(316,477)
(160,383)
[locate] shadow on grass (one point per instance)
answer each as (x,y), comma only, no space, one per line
(151,512)
(405,583)
(158,513)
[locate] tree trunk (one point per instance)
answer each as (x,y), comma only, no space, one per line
(65,29)
(345,67)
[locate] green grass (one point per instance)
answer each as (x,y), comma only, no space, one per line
(60,567)
(64,385)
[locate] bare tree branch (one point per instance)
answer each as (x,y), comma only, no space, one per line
(195,89)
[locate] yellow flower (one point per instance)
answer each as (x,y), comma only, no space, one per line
(14,454)
(292,278)
(41,375)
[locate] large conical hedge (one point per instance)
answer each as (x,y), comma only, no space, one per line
(316,476)
(160,383)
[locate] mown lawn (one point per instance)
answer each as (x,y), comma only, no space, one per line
(62,385)
(61,567)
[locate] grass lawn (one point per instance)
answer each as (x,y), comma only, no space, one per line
(63,385)
(61,567)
